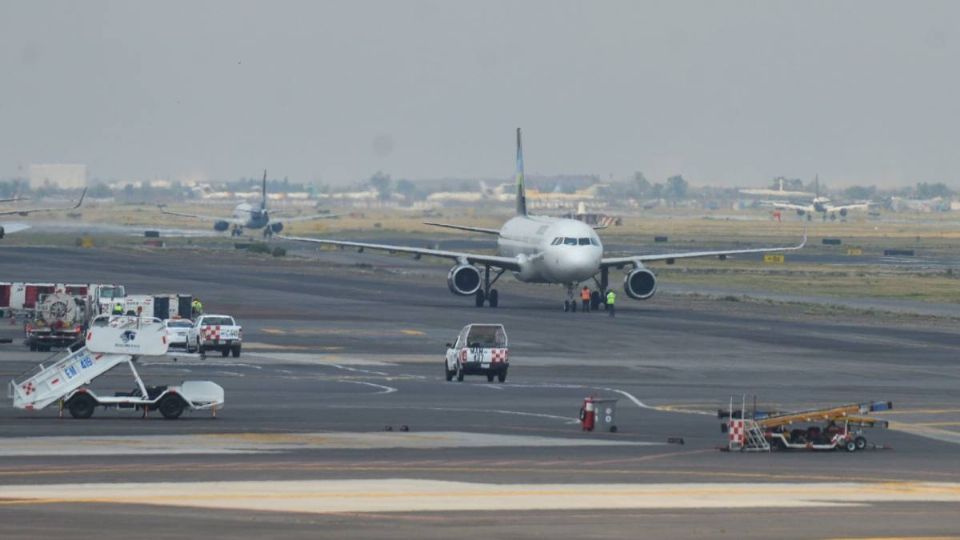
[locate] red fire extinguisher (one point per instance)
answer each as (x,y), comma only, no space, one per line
(587,416)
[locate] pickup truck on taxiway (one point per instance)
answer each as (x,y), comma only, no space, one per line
(215,333)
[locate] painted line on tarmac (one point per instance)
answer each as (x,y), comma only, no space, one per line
(383,388)
(411,495)
(636,401)
(259,443)
(920,430)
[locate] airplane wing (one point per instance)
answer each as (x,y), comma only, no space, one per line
(28,211)
(790,206)
(200,216)
(855,206)
(607,262)
(507,263)
(483,230)
(303,218)
(8,228)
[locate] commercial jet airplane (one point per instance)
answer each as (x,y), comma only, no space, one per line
(14,227)
(821,205)
(247,216)
(538,249)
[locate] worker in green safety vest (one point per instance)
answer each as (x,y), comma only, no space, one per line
(611,300)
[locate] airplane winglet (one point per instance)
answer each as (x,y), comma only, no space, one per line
(82,195)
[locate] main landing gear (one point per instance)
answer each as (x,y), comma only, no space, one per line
(486,293)
(597,296)
(236,231)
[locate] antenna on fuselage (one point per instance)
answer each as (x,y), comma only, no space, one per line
(521,191)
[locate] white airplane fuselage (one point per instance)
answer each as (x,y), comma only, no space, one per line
(250,216)
(551,250)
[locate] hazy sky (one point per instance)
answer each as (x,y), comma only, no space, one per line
(722,92)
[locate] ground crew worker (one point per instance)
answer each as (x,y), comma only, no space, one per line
(585,296)
(611,300)
(196,307)
(118,309)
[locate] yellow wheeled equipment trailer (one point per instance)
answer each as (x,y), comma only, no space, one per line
(829,428)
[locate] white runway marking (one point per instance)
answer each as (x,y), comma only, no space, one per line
(383,388)
(256,443)
(406,495)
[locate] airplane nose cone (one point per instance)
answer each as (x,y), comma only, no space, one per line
(579,265)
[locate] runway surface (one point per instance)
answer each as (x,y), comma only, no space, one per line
(338,350)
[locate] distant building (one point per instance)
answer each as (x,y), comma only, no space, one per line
(63,175)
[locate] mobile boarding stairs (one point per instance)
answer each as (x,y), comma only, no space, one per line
(110,342)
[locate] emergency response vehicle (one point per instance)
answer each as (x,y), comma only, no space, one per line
(110,342)
(215,333)
(480,349)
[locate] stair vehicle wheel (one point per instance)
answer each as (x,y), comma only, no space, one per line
(494,299)
(850,446)
(490,376)
(171,407)
(479,298)
(225,352)
(81,406)
(861,442)
(460,375)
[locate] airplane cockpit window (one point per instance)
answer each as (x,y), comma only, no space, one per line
(569,241)
(595,241)
(557,241)
(584,241)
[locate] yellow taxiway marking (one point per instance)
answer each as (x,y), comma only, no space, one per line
(918,411)
(413,332)
(405,495)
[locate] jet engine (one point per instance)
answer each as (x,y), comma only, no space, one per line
(640,284)
(843,212)
(220,226)
(463,279)
(276,227)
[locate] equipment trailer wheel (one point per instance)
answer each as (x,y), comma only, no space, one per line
(850,446)
(81,406)
(171,407)
(861,442)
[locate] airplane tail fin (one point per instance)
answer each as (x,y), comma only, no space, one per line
(263,192)
(521,191)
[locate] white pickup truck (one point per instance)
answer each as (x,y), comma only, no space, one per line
(480,349)
(215,333)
